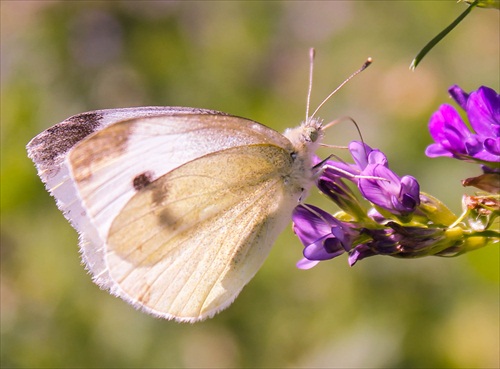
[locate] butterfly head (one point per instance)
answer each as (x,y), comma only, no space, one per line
(312,130)
(306,137)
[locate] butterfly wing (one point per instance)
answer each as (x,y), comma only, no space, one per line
(97,168)
(185,245)
(50,149)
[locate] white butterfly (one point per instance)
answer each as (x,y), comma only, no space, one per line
(177,208)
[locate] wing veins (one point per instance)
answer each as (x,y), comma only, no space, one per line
(263,192)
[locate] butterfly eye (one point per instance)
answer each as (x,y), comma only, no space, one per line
(310,134)
(313,135)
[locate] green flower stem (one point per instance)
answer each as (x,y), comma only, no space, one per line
(440,36)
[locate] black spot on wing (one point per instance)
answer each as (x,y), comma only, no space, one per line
(142,180)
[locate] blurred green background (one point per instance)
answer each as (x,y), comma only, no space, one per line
(59,58)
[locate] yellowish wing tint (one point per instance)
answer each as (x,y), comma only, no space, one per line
(185,245)
(108,167)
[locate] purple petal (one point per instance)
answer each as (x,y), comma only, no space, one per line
(483,110)
(324,250)
(309,226)
(360,152)
(492,145)
(435,150)
(378,157)
(473,145)
(444,120)
(459,95)
(342,236)
(306,264)
(379,191)
(410,188)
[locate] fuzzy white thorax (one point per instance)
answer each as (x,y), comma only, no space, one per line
(305,140)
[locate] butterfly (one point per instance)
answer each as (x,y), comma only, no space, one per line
(177,208)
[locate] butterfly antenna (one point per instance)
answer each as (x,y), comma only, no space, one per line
(355,125)
(312,53)
(363,67)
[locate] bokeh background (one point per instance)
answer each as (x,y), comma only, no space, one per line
(59,58)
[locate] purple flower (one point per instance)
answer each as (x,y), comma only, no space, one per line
(323,236)
(376,182)
(452,136)
(386,189)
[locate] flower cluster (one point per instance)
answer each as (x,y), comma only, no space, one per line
(453,137)
(394,217)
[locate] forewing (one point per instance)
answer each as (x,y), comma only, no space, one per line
(185,245)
